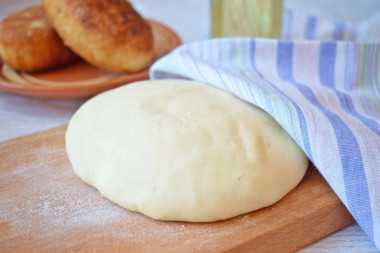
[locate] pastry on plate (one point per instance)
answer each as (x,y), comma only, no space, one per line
(29,43)
(106,33)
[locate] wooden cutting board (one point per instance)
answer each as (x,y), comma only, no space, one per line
(44,206)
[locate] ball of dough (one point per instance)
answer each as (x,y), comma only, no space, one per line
(108,34)
(29,43)
(182,150)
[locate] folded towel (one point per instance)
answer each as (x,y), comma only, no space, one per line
(325,94)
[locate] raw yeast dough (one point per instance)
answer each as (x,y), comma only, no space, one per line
(182,150)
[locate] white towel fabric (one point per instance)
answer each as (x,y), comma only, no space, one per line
(325,94)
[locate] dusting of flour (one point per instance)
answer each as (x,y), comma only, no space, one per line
(45,206)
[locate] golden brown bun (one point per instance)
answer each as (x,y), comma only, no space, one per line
(106,33)
(29,43)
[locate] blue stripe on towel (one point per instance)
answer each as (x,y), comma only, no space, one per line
(301,116)
(310,28)
(327,75)
(351,159)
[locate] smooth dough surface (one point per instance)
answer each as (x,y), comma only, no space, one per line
(182,150)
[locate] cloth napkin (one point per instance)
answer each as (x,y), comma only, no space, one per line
(324,93)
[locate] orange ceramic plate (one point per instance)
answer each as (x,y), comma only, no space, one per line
(82,79)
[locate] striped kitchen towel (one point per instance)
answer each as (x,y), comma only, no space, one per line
(298,26)
(325,94)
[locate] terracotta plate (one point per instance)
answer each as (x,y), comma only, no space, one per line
(81,79)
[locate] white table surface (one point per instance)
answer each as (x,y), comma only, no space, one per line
(21,115)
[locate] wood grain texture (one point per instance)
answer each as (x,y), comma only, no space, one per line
(44,206)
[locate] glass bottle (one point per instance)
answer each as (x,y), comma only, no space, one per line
(253,18)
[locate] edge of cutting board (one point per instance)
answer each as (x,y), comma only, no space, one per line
(35,166)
